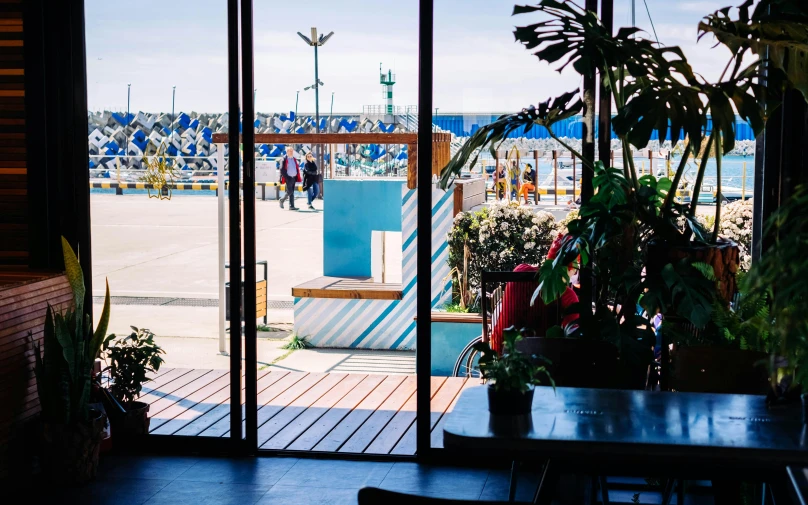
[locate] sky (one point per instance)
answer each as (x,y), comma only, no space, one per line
(477,65)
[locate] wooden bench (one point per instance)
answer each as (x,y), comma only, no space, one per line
(357,288)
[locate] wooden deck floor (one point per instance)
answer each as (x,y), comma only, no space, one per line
(334,412)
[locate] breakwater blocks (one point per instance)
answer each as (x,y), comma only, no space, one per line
(189,136)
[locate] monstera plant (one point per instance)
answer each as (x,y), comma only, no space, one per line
(643,245)
(63,368)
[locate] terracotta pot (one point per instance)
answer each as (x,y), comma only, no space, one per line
(131,425)
(723,257)
(584,363)
(718,370)
(70,452)
(509,403)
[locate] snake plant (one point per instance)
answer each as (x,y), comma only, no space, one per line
(64,359)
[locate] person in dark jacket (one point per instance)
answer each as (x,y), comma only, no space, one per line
(289,170)
(311,179)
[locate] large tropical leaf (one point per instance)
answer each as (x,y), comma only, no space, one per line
(573,35)
(610,186)
(690,292)
(548,113)
(662,106)
(777,30)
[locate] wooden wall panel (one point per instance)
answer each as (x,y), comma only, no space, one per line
(13,173)
(24,298)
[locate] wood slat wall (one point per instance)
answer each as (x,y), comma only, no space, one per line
(22,311)
(13,174)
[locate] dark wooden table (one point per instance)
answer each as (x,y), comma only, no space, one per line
(643,433)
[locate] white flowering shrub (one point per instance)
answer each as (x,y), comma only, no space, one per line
(736,225)
(499,238)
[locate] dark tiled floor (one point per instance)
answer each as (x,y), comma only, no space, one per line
(158,480)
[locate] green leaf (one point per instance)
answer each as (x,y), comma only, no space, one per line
(101,329)
(75,276)
(777,30)
(692,294)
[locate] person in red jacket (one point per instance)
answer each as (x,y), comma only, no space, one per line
(515,309)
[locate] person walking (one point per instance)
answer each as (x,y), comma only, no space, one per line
(311,180)
(290,175)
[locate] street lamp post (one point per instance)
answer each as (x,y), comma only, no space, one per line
(173,117)
(331,114)
(316,41)
(297,98)
(128,97)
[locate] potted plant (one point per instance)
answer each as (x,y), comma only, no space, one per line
(729,354)
(130,359)
(642,246)
(71,431)
(779,275)
(511,376)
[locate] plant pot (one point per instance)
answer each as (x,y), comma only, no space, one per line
(718,370)
(131,425)
(509,403)
(723,256)
(70,452)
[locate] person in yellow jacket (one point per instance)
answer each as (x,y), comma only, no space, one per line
(528,182)
(513,176)
(500,182)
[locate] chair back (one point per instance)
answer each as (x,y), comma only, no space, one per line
(718,370)
(577,363)
(506,302)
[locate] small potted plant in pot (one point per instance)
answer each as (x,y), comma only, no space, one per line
(71,430)
(130,359)
(511,376)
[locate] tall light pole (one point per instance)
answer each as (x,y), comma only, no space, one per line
(173,117)
(331,114)
(128,97)
(316,42)
(297,97)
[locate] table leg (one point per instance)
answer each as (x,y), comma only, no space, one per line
(604,490)
(667,492)
(547,484)
(513,481)
(593,490)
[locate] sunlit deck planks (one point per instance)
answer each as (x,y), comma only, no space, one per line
(298,411)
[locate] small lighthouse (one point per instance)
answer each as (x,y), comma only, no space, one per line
(387,81)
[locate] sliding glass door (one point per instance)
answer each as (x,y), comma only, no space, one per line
(330,203)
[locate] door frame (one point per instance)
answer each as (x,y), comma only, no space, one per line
(249,439)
